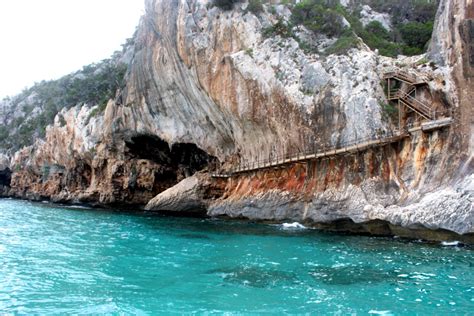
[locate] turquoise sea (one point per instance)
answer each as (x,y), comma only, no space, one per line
(63,260)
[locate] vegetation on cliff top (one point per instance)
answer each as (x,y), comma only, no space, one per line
(411,20)
(26,115)
(255,6)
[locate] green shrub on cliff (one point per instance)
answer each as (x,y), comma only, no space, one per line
(389,112)
(225,4)
(255,6)
(319,16)
(281,28)
(416,34)
(412,22)
(94,84)
(412,26)
(343,44)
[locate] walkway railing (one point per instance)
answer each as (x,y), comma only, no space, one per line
(405,76)
(310,154)
(418,106)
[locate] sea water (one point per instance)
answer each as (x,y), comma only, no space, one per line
(58,260)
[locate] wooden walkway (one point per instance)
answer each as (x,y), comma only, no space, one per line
(406,95)
(304,157)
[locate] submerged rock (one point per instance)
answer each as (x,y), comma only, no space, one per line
(255,276)
(349,275)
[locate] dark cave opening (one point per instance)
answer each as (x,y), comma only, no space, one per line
(86,175)
(182,156)
(5,177)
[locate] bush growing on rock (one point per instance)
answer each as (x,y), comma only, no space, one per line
(376,28)
(343,44)
(412,22)
(280,28)
(319,16)
(416,34)
(255,6)
(225,4)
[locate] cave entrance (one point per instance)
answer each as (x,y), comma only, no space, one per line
(186,158)
(5,177)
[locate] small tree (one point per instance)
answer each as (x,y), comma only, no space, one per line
(376,28)
(319,16)
(416,34)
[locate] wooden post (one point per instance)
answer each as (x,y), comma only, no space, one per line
(388,88)
(399,115)
(304,145)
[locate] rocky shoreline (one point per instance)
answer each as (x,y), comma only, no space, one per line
(444,215)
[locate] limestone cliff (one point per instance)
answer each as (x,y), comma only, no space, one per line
(423,182)
(207,87)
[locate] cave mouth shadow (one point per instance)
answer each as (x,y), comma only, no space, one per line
(179,155)
(5,177)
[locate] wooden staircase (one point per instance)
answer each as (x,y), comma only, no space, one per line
(418,106)
(406,77)
(405,94)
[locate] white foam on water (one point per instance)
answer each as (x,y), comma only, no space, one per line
(78,207)
(375,312)
(339,265)
(294,225)
(419,277)
(450,243)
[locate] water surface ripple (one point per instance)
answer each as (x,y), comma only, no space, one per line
(56,260)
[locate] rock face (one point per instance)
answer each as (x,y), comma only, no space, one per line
(206,86)
(369,15)
(82,160)
(244,94)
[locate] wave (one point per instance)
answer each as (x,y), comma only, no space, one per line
(375,312)
(294,225)
(450,243)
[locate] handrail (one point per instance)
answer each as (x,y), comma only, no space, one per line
(422,113)
(418,106)
(404,76)
(307,154)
